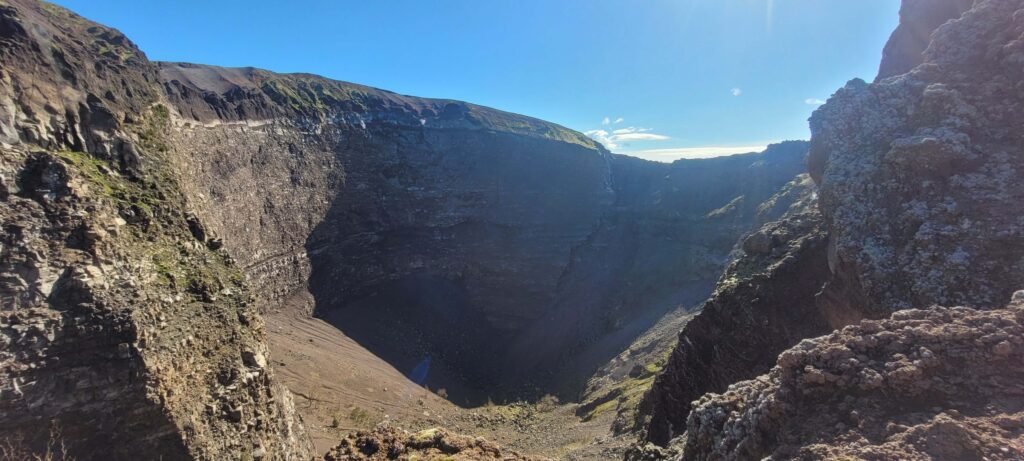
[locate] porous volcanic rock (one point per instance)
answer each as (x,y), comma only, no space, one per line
(938,383)
(918,19)
(917,180)
(388,443)
(918,174)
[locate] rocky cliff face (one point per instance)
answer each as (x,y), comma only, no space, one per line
(918,19)
(124,332)
(917,172)
(763,304)
(914,179)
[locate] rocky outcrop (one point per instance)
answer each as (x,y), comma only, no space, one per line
(941,383)
(918,19)
(764,304)
(386,442)
(916,175)
(121,333)
(124,331)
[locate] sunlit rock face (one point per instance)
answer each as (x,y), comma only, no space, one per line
(125,331)
(917,175)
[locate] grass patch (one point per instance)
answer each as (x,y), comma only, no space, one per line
(626,395)
(153,129)
(363,419)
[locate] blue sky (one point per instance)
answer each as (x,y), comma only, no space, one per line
(660,79)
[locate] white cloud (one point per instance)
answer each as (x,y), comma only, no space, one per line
(631,129)
(619,120)
(606,121)
(736,91)
(814,101)
(672,154)
(616,138)
(639,137)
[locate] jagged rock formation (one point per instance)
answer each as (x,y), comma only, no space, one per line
(940,148)
(918,19)
(915,175)
(386,443)
(941,383)
(123,332)
(764,304)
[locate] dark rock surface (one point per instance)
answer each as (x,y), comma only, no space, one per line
(918,19)
(764,304)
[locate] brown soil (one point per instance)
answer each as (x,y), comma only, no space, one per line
(341,388)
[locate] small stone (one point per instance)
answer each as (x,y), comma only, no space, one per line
(233,414)
(254,359)
(124,350)
(1003,349)
(758,243)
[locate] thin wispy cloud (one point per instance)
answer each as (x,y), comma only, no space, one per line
(606,121)
(640,137)
(631,129)
(814,101)
(622,136)
(619,120)
(736,91)
(673,154)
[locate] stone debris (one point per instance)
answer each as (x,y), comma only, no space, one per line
(388,443)
(940,383)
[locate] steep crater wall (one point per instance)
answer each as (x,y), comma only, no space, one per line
(512,254)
